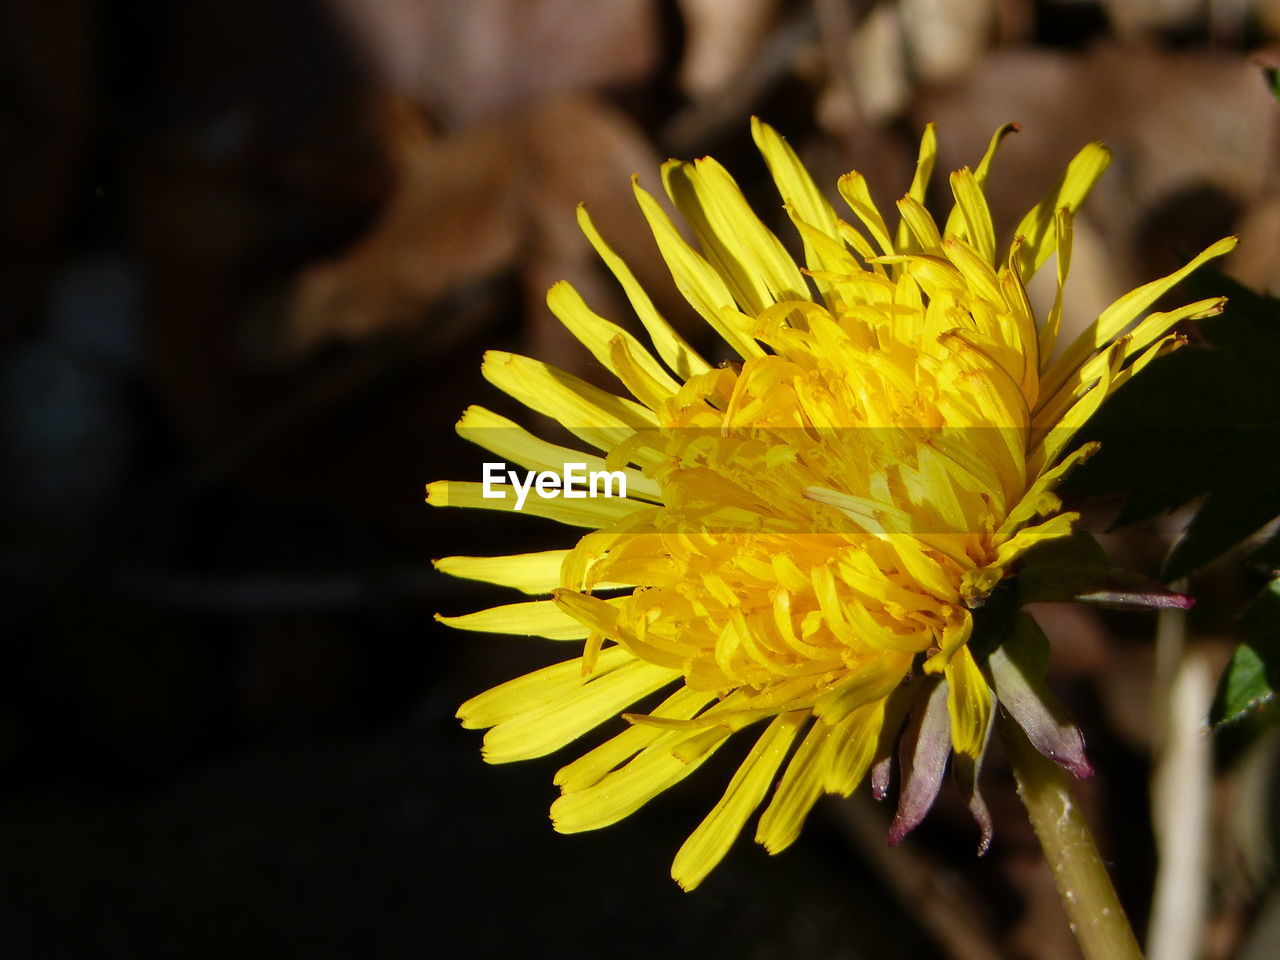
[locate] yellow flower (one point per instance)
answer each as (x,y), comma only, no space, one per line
(807,526)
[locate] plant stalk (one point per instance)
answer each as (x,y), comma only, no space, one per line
(1096,917)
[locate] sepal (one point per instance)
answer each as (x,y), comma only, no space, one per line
(1075,569)
(1017,671)
(923,753)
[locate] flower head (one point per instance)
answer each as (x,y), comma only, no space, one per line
(809,526)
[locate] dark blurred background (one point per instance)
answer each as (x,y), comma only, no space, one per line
(250,254)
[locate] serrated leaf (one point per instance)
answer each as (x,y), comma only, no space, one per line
(1252,678)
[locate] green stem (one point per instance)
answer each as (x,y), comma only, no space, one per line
(1097,919)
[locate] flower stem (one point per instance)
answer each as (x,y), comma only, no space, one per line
(1097,919)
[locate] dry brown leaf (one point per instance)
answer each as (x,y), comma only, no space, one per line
(1135,20)
(947,37)
(878,64)
(721,36)
(579,150)
(497,196)
(471,61)
(450,221)
(1256,262)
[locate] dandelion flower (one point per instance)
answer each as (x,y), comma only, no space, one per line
(810,526)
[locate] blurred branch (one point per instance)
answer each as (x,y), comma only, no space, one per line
(1180,795)
(943,901)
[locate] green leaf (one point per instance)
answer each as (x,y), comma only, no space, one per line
(1202,422)
(1252,678)
(1273,80)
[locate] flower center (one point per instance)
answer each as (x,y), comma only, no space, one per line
(828,511)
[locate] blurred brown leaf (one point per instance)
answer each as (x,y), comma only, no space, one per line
(451,220)
(1256,262)
(1175,121)
(721,36)
(497,196)
(947,37)
(468,62)
(580,150)
(1132,20)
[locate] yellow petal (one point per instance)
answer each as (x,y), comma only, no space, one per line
(622,792)
(853,187)
(925,160)
(1116,318)
(976,215)
(697,282)
(969,704)
(1062,234)
(1050,438)
(794,183)
(798,790)
(588,769)
(813,216)
(876,680)
(1052,529)
(588,512)
(1028,506)
(534,618)
(1072,187)
(752,261)
(535,690)
(709,843)
(855,748)
(599,616)
(917,222)
(955,634)
(594,415)
(527,572)
(956,217)
(537,732)
(675,352)
(632,370)
(596,333)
